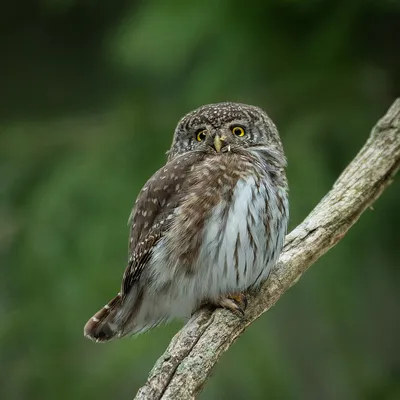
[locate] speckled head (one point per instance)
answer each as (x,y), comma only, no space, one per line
(240,126)
(219,113)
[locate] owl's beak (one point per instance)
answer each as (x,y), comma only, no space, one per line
(219,142)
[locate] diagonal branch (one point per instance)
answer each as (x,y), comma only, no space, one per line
(181,372)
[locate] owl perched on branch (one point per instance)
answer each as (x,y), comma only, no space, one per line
(207,226)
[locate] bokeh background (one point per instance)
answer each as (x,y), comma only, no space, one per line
(90,92)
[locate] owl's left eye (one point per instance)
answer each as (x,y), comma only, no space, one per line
(238,130)
(200,135)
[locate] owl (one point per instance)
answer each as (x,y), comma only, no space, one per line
(207,226)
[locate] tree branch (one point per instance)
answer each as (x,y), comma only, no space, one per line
(181,372)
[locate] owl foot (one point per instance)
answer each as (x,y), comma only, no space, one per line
(235,302)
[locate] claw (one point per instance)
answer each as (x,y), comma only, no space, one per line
(236,302)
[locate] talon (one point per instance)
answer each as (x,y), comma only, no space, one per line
(240,299)
(236,302)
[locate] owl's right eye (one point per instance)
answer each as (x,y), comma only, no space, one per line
(201,135)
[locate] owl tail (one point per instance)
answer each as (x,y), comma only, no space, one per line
(100,328)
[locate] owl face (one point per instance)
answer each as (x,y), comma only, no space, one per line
(224,127)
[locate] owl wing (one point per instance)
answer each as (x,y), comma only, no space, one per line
(153,213)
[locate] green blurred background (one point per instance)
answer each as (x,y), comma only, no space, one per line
(90,94)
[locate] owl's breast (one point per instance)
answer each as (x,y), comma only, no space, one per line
(230,226)
(243,236)
(209,184)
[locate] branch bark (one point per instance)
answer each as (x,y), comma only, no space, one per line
(181,372)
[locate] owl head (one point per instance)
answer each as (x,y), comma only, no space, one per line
(222,128)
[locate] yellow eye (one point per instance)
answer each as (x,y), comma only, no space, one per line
(201,135)
(238,131)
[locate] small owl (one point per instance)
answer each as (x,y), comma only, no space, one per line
(207,226)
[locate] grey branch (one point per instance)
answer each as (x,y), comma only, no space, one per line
(181,372)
